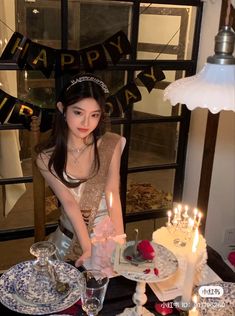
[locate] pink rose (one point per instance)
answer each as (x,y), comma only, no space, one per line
(231,258)
(146,250)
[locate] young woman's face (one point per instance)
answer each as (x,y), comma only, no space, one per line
(83,117)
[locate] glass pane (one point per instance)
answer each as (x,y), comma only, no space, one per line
(10,153)
(173,31)
(153,143)
(34,88)
(153,103)
(149,190)
(92,22)
(34,19)
(21,214)
(145,229)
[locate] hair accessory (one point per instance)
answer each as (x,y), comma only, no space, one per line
(89,78)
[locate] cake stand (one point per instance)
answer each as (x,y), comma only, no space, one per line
(165,265)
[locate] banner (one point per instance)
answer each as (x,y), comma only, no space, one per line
(116,104)
(28,53)
(39,57)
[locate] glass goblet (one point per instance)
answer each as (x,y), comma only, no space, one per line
(39,288)
(93,284)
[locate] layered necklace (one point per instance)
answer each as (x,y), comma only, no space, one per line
(76,152)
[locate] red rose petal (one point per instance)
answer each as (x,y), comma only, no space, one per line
(129,258)
(146,271)
(156,272)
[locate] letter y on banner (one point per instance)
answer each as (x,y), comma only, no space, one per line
(150,76)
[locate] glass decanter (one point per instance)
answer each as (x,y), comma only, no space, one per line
(40,286)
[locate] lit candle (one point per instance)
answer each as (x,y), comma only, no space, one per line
(190,223)
(194,311)
(199,219)
(190,272)
(110,200)
(169,218)
(179,210)
(175,219)
(195,211)
(185,215)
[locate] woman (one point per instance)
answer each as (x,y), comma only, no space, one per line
(81,164)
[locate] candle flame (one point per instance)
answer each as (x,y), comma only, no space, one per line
(111,200)
(169,213)
(195,240)
(190,222)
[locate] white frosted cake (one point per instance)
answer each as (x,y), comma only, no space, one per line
(166,237)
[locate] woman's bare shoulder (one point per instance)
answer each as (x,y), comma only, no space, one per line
(43,158)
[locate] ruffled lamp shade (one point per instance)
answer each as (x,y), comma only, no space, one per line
(214,86)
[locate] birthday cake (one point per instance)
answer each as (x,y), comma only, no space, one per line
(166,237)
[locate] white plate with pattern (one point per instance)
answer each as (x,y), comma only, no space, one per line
(165,262)
(13,301)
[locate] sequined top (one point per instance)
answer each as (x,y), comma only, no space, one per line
(90,196)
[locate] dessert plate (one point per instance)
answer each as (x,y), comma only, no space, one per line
(164,265)
(20,302)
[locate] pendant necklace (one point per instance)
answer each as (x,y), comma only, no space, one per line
(76,152)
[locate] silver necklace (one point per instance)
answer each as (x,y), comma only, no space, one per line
(76,152)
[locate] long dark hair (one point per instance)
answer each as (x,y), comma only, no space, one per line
(74,91)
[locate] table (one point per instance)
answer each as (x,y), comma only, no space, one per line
(120,291)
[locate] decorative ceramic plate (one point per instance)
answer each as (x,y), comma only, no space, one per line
(218,306)
(164,265)
(20,302)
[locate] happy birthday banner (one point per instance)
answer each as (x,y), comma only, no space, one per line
(35,56)
(24,52)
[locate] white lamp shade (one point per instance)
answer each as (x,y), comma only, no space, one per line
(212,88)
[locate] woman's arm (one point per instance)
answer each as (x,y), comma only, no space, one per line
(113,186)
(70,206)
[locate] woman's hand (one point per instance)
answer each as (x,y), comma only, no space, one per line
(80,261)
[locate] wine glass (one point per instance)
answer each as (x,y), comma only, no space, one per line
(93,284)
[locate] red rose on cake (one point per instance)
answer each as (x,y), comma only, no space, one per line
(146,250)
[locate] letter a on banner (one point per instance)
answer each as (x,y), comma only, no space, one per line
(128,94)
(41,57)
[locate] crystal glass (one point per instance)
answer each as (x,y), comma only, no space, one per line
(93,285)
(40,285)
